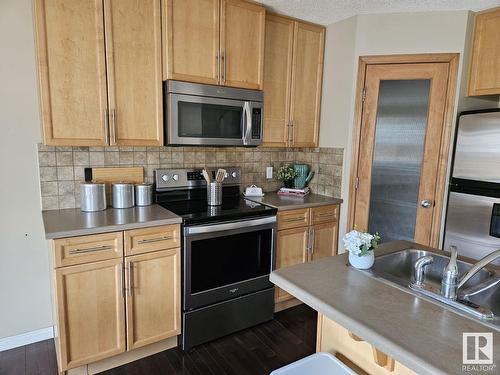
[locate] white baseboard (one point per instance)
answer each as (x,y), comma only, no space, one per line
(26,338)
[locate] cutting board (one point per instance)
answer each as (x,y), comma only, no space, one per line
(109,175)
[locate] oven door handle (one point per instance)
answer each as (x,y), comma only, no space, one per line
(198,229)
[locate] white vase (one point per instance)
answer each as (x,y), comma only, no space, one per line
(362,262)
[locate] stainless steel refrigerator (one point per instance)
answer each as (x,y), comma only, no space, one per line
(473,213)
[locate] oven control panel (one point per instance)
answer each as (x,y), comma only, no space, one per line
(185,178)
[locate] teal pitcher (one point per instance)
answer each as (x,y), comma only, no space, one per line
(303,176)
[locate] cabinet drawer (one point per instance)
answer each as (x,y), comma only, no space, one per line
(85,249)
(324,214)
(293,219)
(139,241)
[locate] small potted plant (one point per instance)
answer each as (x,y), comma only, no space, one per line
(286,174)
(360,246)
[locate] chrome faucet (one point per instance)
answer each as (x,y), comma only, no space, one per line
(420,265)
(451,283)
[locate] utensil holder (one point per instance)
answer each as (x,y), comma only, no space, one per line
(214,194)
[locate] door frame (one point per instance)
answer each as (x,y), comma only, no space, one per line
(364,61)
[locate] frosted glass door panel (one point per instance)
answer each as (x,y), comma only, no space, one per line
(397,157)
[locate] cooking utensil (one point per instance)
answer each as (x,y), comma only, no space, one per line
(143,194)
(207,177)
(221,175)
(123,195)
(92,197)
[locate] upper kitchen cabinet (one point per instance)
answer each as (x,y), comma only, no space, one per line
(72,72)
(484,78)
(242,44)
(100,72)
(215,42)
(293,75)
(192,35)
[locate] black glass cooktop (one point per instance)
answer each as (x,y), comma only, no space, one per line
(192,206)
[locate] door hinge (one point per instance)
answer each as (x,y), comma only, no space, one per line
(356,183)
(363,94)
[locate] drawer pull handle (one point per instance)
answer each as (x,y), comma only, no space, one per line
(152,240)
(90,249)
(294,219)
(327,214)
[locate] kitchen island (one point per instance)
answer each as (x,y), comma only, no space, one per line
(418,335)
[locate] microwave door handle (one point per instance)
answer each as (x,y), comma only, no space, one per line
(247,123)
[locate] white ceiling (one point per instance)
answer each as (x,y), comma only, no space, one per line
(328,11)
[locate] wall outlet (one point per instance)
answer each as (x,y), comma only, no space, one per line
(269,173)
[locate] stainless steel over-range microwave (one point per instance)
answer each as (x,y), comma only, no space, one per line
(198,114)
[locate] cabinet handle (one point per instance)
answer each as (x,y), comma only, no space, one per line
(122,276)
(309,241)
(288,138)
(292,219)
(292,133)
(224,61)
(90,249)
(130,279)
(327,214)
(106,125)
(217,62)
(113,127)
(151,240)
(313,235)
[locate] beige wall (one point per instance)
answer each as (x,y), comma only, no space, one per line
(24,277)
(384,34)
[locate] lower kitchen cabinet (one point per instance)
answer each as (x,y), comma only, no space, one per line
(153,297)
(356,353)
(301,240)
(104,307)
(90,312)
(292,248)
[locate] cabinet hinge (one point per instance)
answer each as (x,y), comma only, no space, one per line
(356,183)
(363,94)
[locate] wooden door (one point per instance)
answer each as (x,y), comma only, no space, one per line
(484,77)
(242,44)
(307,75)
(191,40)
(133,53)
(72,72)
(400,142)
(277,80)
(291,249)
(324,240)
(153,297)
(90,311)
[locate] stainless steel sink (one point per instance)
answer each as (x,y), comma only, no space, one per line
(479,298)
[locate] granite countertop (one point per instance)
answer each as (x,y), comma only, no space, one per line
(422,335)
(73,222)
(284,202)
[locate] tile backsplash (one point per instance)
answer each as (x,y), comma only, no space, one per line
(62,168)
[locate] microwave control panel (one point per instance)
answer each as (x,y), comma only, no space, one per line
(256,123)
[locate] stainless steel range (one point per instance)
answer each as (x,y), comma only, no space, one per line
(228,254)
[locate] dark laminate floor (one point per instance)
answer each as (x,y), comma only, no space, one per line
(255,351)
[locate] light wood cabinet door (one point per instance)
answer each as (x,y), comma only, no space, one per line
(324,240)
(90,311)
(291,249)
(191,34)
(242,44)
(307,75)
(277,80)
(153,297)
(133,53)
(484,78)
(72,72)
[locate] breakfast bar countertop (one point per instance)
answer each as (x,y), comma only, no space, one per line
(422,335)
(74,222)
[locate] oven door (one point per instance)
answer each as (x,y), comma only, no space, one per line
(226,260)
(201,120)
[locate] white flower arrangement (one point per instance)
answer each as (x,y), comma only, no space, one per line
(360,243)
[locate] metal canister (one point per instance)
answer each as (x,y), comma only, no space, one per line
(143,194)
(123,195)
(92,196)
(214,194)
